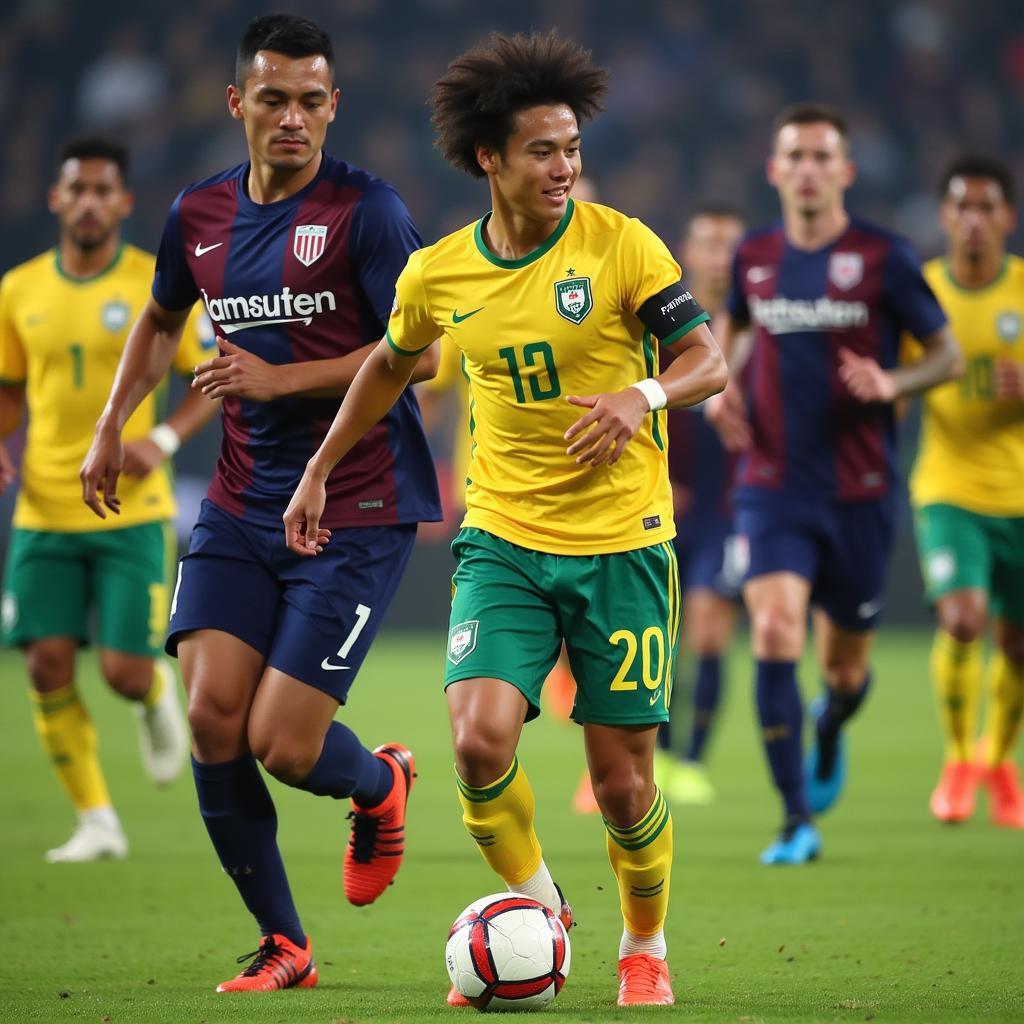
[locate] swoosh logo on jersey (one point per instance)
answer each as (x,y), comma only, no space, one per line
(755,275)
(657,694)
(456,319)
(231,328)
(202,250)
(328,667)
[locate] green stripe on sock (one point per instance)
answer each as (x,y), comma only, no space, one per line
(481,796)
(637,839)
(632,831)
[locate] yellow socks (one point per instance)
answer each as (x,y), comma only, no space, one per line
(69,738)
(1006,700)
(500,818)
(163,675)
(956,676)
(641,857)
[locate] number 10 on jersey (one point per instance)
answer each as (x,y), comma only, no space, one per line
(536,360)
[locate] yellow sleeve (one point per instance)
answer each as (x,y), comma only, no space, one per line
(911,350)
(13,369)
(198,342)
(645,265)
(411,328)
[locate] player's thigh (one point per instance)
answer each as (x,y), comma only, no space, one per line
(46,587)
(620,614)
(844,654)
(850,587)
(333,605)
(1007,591)
(129,588)
(224,583)
(503,623)
(954,548)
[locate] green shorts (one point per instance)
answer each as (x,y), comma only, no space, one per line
(962,550)
(54,581)
(618,615)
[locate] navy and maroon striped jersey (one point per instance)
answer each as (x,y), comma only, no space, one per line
(308,277)
(701,467)
(811,436)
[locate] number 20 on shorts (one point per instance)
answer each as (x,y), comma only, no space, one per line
(651,647)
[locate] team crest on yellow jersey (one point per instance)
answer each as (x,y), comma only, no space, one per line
(114,315)
(1008,326)
(573,298)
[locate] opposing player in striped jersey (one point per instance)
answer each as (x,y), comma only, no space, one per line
(555,306)
(826,297)
(295,256)
(967,489)
(64,319)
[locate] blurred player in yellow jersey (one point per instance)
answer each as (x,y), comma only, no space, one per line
(555,307)
(967,489)
(64,318)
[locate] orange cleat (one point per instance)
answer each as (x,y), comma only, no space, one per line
(1005,799)
(644,981)
(565,915)
(583,800)
(560,690)
(377,843)
(278,963)
(953,798)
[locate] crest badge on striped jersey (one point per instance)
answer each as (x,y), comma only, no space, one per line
(846,269)
(310,242)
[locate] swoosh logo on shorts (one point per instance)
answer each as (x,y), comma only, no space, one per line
(456,319)
(328,667)
(657,694)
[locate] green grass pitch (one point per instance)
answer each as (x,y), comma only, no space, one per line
(901,920)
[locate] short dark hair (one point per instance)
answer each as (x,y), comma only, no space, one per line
(714,209)
(477,99)
(978,165)
(283,33)
(810,113)
(96,147)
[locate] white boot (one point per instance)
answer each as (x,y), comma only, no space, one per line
(163,736)
(97,835)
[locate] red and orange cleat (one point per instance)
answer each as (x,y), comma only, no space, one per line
(377,843)
(953,798)
(278,963)
(1005,799)
(565,915)
(644,981)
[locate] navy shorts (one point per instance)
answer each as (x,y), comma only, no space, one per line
(841,548)
(311,618)
(711,557)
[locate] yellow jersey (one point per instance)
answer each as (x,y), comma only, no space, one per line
(62,338)
(559,321)
(971,451)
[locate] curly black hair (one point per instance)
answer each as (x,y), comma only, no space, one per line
(980,165)
(477,99)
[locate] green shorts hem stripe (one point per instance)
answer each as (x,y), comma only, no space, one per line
(482,796)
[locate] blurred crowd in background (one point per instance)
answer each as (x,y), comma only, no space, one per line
(695,85)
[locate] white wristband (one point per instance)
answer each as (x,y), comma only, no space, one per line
(653,392)
(165,437)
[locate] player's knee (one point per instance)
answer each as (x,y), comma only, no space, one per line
(288,762)
(846,676)
(962,622)
(1011,643)
(128,680)
(777,633)
(482,754)
(47,669)
(623,793)
(218,732)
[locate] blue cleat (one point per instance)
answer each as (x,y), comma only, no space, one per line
(825,775)
(797,844)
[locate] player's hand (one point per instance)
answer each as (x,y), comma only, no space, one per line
(601,435)
(100,471)
(141,457)
(865,379)
(238,372)
(1007,379)
(728,415)
(302,531)
(7,469)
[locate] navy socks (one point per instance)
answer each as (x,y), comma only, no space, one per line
(706,696)
(781,716)
(346,768)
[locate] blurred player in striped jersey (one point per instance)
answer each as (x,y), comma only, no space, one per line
(967,489)
(64,320)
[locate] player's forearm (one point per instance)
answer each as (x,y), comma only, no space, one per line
(374,390)
(191,414)
(12,408)
(327,378)
(146,358)
(942,361)
(697,372)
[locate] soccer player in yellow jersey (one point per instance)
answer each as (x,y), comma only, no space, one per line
(967,489)
(555,306)
(64,318)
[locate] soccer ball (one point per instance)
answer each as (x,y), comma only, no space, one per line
(508,952)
